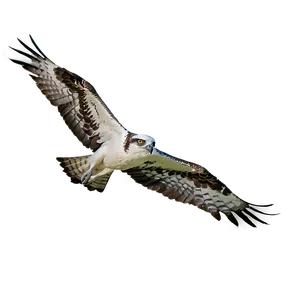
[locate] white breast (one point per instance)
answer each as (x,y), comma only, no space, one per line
(114,156)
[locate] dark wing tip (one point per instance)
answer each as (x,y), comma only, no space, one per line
(248,216)
(32,47)
(19,39)
(38,48)
(16,61)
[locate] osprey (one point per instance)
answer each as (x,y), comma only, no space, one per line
(116,148)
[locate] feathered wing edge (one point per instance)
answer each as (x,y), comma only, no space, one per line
(252,214)
(30,56)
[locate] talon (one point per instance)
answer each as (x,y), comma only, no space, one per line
(86,176)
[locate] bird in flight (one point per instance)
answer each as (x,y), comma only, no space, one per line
(115,148)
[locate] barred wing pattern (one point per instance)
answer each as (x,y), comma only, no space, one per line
(190,183)
(83,110)
(75,167)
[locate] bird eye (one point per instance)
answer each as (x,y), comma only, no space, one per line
(140,142)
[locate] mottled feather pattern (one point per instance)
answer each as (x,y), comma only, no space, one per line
(199,188)
(174,185)
(99,183)
(77,100)
(93,124)
(74,167)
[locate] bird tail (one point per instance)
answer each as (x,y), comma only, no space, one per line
(75,167)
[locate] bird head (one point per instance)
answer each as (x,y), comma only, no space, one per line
(139,144)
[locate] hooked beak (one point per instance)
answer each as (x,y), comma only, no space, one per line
(151,148)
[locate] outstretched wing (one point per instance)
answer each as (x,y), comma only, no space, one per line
(83,110)
(190,183)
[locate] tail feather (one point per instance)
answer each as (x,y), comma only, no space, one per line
(75,167)
(99,183)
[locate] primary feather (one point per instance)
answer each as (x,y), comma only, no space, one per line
(190,183)
(76,99)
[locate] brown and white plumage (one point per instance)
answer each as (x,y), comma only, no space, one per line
(115,148)
(74,167)
(84,113)
(190,183)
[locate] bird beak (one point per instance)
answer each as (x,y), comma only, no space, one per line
(152,149)
(149,148)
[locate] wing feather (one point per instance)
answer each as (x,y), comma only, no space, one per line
(81,107)
(190,183)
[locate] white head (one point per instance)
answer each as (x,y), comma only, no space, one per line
(139,145)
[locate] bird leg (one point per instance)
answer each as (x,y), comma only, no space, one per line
(95,160)
(86,176)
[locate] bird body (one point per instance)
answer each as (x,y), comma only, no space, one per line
(113,155)
(116,148)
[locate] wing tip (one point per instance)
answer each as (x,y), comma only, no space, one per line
(248,218)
